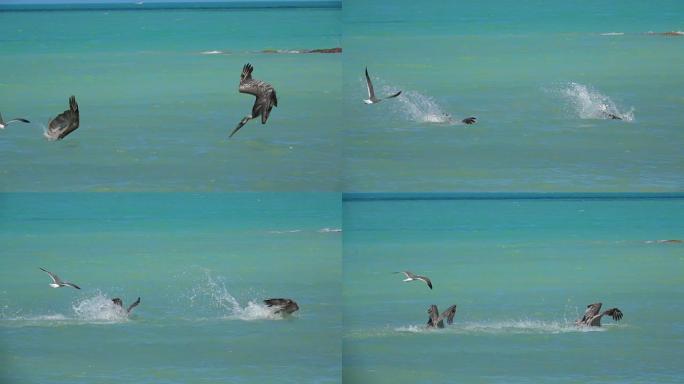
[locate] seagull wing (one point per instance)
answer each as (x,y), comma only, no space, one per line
(72,285)
(54,277)
(449,314)
(130,307)
(393,96)
(426,280)
(17,119)
(369,85)
(409,274)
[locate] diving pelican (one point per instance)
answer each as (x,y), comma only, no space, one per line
(436,320)
(65,123)
(265,97)
(118,302)
(287,306)
(592,318)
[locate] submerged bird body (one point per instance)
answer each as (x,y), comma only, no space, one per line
(118,302)
(65,123)
(286,306)
(436,320)
(592,317)
(4,123)
(57,282)
(372,99)
(410,276)
(264,93)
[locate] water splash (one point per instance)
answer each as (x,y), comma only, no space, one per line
(212,294)
(99,308)
(589,103)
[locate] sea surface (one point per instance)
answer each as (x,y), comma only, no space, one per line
(521,269)
(201,264)
(157,90)
(538,76)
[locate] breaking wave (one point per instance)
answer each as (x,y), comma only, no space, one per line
(589,103)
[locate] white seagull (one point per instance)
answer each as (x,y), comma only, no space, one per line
(3,123)
(371,93)
(57,282)
(411,277)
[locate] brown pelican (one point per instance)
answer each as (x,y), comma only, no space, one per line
(411,277)
(371,93)
(57,282)
(65,123)
(287,306)
(265,97)
(592,318)
(3,123)
(436,320)
(118,302)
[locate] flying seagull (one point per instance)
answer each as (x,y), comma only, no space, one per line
(436,320)
(3,123)
(411,277)
(118,302)
(265,97)
(57,282)
(65,123)
(371,93)
(287,306)
(592,317)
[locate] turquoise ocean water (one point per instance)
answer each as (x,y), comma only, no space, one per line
(157,101)
(521,270)
(201,265)
(535,73)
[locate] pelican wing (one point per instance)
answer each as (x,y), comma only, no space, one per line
(449,314)
(433,312)
(592,310)
(369,86)
(135,304)
(252,86)
(1,121)
(54,277)
(615,313)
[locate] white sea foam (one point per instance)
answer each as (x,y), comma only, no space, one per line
(330,230)
(589,103)
(213,52)
(523,326)
(612,34)
(415,106)
(285,231)
(213,294)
